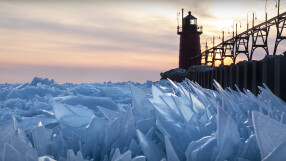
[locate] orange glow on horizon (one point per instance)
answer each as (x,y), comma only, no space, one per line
(107,34)
(128,60)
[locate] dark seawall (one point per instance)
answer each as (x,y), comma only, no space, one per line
(246,75)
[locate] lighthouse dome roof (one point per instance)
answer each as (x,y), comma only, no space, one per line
(190,16)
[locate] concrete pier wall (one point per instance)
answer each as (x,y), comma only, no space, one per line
(247,75)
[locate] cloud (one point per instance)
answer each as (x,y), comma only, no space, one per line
(128,37)
(104,35)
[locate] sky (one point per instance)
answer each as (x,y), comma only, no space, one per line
(96,41)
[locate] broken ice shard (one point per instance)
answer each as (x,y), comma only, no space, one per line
(150,150)
(10,153)
(177,121)
(40,139)
(270,134)
(72,116)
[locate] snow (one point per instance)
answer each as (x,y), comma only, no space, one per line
(166,120)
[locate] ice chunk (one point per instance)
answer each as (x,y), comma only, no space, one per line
(139,158)
(35,81)
(71,156)
(117,94)
(201,149)
(196,144)
(141,104)
(46,158)
(150,150)
(73,142)
(167,111)
(278,154)
(40,139)
(128,130)
(85,90)
(134,148)
(269,133)
(156,93)
(24,149)
(169,128)
(198,107)
(72,116)
(250,150)
(283,118)
(242,159)
(150,133)
(175,131)
(218,87)
(91,137)
(146,124)
(171,154)
(116,154)
(185,94)
(79,156)
(109,114)
(12,129)
(273,98)
(171,104)
(205,151)
(121,109)
(193,128)
(184,107)
(163,102)
(125,156)
(88,101)
(95,135)
(10,153)
(228,139)
(12,133)
(112,133)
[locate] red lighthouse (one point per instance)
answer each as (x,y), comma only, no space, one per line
(190,49)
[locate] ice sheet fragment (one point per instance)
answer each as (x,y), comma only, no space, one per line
(112,133)
(79,156)
(24,149)
(128,130)
(150,150)
(139,158)
(71,155)
(40,139)
(72,116)
(228,139)
(171,154)
(125,156)
(269,133)
(205,151)
(179,119)
(140,103)
(46,158)
(278,154)
(10,153)
(88,101)
(116,154)
(109,114)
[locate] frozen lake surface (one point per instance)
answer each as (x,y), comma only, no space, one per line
(44,120)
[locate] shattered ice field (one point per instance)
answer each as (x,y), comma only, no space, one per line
(168,121)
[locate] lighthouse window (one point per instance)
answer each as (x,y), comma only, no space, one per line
(193,22)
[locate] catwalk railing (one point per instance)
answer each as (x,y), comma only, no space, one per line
(239,43)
